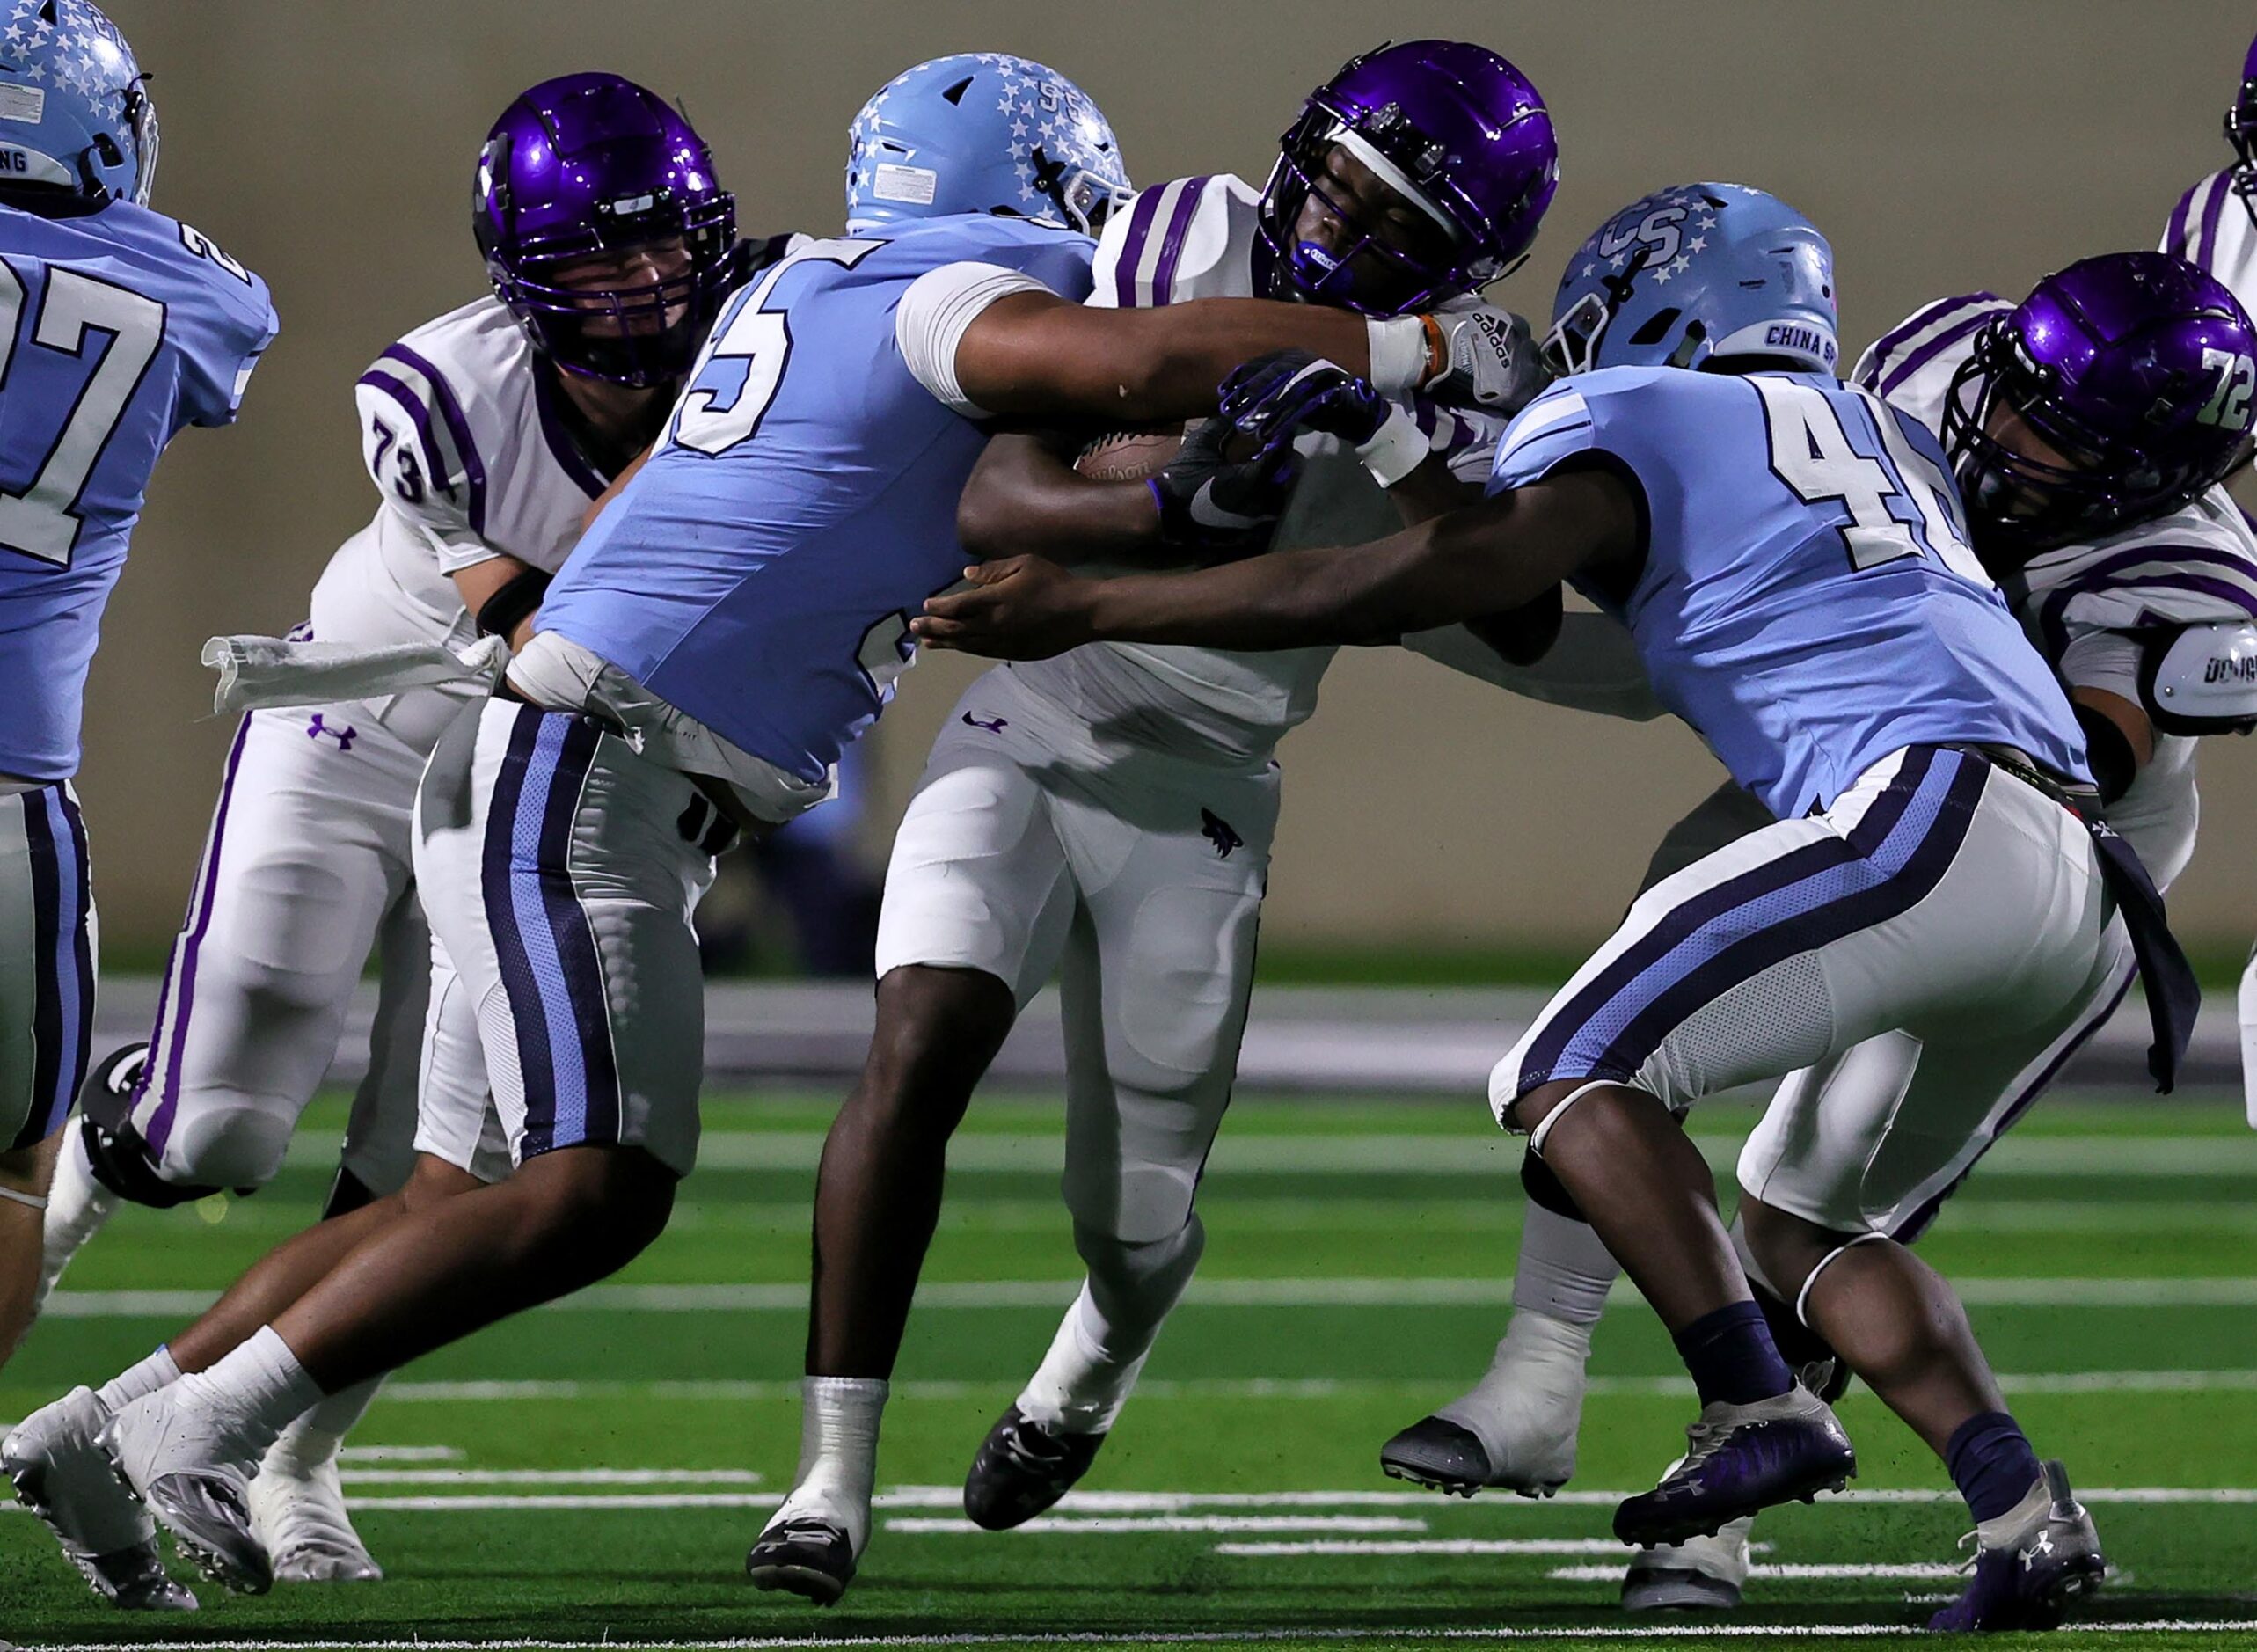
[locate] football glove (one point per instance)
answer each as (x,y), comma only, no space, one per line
(1271,396)
(1480,357)
(1211,502)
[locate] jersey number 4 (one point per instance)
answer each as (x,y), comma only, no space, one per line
(42,521)
(756,342)
(1900,503)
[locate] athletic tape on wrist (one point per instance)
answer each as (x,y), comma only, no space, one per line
(1402,354)
(1802,1296)
(38,1201)
(1398,447)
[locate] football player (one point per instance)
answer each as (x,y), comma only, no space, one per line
(2135,577)
(2214,225)
(119,327)
(487,433)
(1791,556)
(1113,809)
(734,617)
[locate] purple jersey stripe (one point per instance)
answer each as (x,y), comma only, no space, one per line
(1132,247)
(2206,240)
(1893,342)
(1911,1227)
(2174,233)
(1186,206)
(457,427)
(1894,379)
(595,1116)
(74,952)
(2232,583)
(569,456)
(435,461)
(496,884)
(180,967)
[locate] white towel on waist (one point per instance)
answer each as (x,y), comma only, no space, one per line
(259,673)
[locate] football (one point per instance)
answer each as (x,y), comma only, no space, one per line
(1129,456)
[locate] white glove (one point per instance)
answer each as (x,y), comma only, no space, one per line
(1479,357)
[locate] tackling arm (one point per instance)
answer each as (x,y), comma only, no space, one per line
(1025,492)
(1500,554)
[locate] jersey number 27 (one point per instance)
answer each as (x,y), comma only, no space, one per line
(42,520)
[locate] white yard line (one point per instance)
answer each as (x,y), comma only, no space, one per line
(1912,1572)
(1332,1292)
(1442,1546)
(1360,1635)
(353,1475)
(400,1454)
(1103,1525)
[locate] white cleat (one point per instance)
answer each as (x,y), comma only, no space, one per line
(62,1476)
(177,1460)
(1514,1430)
(1698,1575)
(298,1510)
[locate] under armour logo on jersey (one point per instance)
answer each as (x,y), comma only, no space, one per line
(993,725)
(318,729)
(1220,833)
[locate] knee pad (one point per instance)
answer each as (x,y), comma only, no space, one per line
(122,1162)
(1544,1189)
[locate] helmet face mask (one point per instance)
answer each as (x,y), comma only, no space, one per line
(593,167)
(2115,394)
(2241,133)
(1451,136)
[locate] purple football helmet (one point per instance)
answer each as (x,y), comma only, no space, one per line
(2241,131)
(1454,128)
(2135,367)
(586,164)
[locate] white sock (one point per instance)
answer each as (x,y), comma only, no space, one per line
(838,1454)
(317,1434)
(77,1206)
(254,1392)
(1076,1388)
(157,1372)
(1564,1270)
(1529,1402)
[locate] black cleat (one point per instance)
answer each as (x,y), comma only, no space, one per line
(806,1557)
(1439,1455)
(1023,1467)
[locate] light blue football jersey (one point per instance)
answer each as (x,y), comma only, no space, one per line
(1808,604)
(117,328)
(761,571)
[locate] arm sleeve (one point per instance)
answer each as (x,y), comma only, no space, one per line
(419,471)
(2105,660)
(934,314)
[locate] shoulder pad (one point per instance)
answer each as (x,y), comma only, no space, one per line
(1935,337)
(1191,238)
(2203,680)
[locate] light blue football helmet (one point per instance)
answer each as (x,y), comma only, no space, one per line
(73,110)
(1697,272)
(982,132)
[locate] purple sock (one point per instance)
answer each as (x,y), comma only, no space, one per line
(1992,1464)
(1731,1357)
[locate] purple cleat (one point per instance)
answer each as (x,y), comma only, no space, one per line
(1738,1460)
(2032,1562)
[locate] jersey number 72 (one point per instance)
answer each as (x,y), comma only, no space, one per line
(42,521)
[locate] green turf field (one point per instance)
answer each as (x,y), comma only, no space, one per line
(593,1473)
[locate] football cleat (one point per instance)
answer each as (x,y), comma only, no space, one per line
(2031,1564)
(1698,1575)
(173,1458)
(1741,1460)
(1023,1467)
(62,1476)
(804,1556)
(298,1510)
(1514,1430)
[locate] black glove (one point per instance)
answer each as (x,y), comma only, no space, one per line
(1208,502)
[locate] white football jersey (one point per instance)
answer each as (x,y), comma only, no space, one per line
(1195,237)
(2211,228)
(2097,610)
(472,460)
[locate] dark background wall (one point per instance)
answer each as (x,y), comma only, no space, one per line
(1942,146)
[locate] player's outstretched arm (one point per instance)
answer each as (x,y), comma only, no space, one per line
(1025,492)
(1489,558)
(1035,355)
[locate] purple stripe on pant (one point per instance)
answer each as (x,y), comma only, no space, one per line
(180,968)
